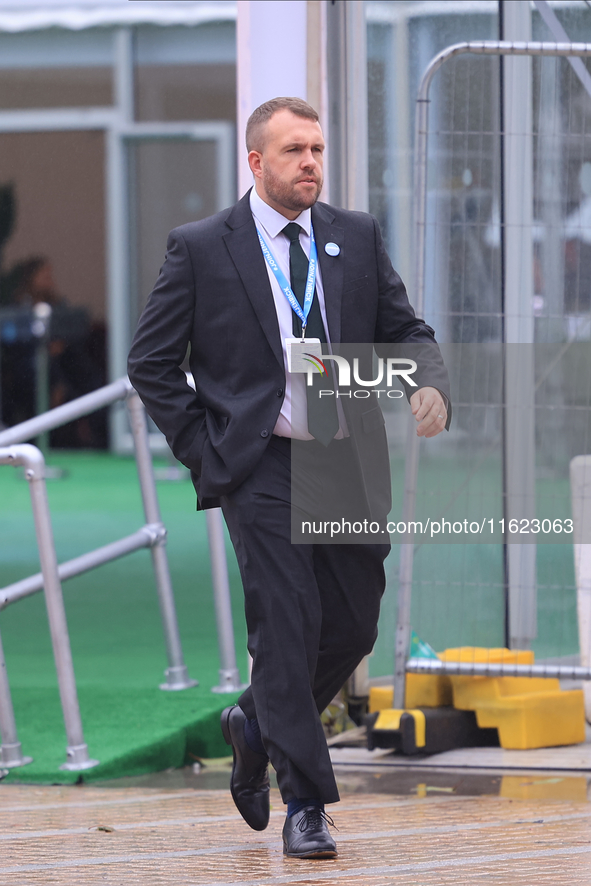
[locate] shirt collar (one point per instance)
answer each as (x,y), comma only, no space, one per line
(272,221)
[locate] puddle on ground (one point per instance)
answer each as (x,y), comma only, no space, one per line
(215,775)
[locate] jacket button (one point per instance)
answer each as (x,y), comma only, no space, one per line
(264,433)
(280,392)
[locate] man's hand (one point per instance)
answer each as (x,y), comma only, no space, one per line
(428,407)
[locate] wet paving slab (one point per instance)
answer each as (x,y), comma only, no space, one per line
(550,774)
(407,827)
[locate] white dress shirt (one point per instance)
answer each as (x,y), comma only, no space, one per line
(292,420)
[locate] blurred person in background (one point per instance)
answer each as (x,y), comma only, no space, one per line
(73,356)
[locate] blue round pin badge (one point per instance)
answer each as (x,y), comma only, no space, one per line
(332,249)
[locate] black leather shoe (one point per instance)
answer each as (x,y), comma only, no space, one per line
(305,834)
(249,784)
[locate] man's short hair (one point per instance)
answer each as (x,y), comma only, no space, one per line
(255,128)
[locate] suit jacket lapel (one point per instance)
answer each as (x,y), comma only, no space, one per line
(331,267)
(244,248)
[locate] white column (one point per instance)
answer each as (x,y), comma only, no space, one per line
(318,75)
(272,61)
(400,127)
(518,177)
(519,321)
(580,479)
(356,174)
(347,87)
(117,227)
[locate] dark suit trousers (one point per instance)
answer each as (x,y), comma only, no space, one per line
(311,612)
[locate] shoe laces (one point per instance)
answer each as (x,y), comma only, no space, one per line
(313,817)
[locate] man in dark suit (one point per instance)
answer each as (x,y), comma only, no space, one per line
(311,609)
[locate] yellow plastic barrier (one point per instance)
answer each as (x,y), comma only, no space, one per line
(528,712)
(390,720)
(422,691)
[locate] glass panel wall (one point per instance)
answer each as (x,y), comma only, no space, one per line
(173,184)
(53,196)
(181,74)
(56,68)
(186,73)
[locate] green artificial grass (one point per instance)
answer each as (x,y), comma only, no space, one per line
(130,725)
(131,731)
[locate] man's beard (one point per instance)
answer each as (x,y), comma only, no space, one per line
(285,194)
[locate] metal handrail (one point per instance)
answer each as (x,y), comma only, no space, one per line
(496,669)
(31,459)
(143,538)
(122,389)
(151,535)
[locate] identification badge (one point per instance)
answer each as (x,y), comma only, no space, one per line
(303,354)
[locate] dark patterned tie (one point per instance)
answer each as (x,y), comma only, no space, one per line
(323,422)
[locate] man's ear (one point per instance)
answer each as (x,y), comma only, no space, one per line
(255,162)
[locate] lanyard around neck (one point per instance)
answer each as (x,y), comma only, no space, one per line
(301,310)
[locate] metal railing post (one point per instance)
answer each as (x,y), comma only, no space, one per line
(33,462)
(10,751)
(412,449)
(229,675)
(176,674)
(41,329)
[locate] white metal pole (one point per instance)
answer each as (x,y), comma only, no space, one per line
(10,751)
(519,424)
(42,331)
(33,462)
(356,175)
(352,176)
(580,481)
(176,674)
(117,223)
(411,462)
(77,750)
(229,675)
(401,149)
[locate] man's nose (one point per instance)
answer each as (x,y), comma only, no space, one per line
(309,160)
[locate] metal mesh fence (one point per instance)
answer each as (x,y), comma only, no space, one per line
(479,296)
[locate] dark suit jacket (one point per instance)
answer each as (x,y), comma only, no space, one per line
(213,295)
